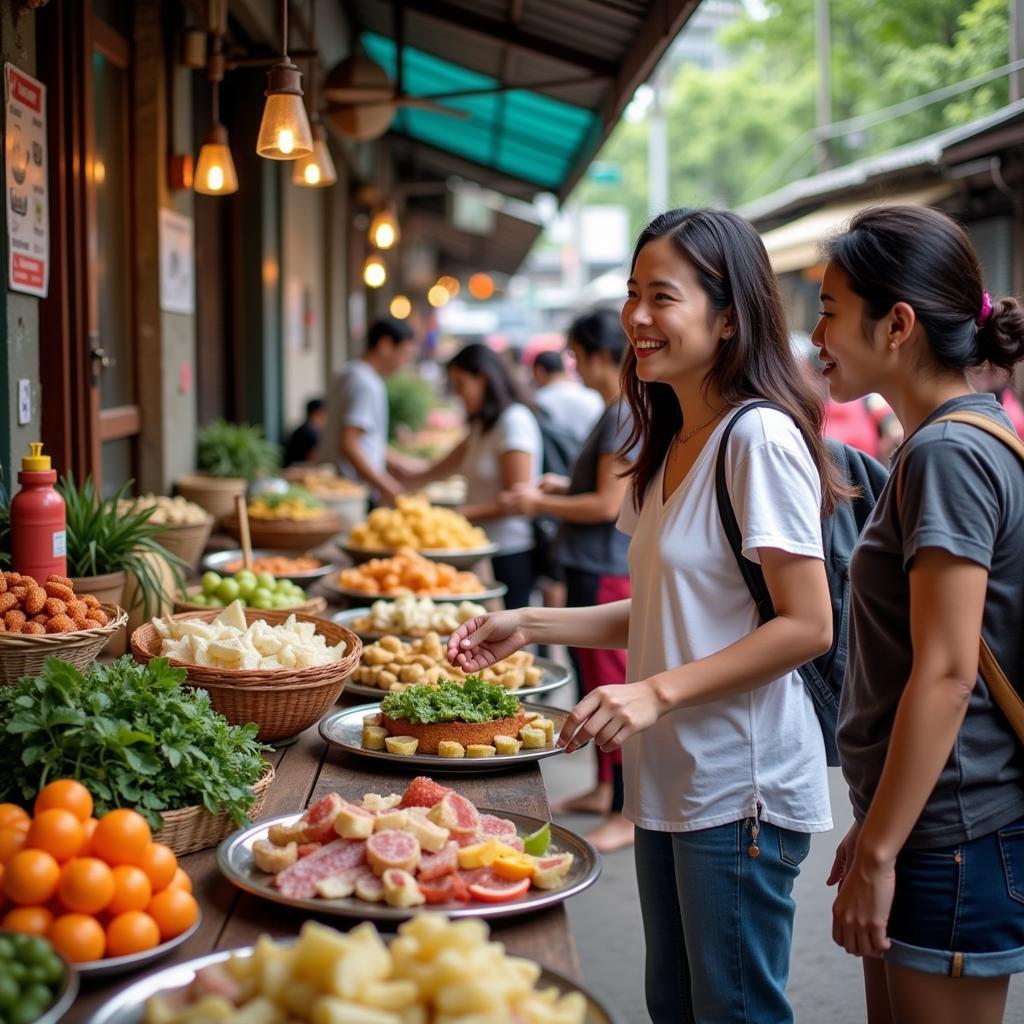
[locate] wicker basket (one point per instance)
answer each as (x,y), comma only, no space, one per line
(188,542)
(189,829)
(287,534)
(281,701)
(23,654)
(314,606)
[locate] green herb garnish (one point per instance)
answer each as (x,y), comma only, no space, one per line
(471,701)
(132,734)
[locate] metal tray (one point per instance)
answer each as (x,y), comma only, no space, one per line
(234,858)
(350,616)
(555,676)
(128,1006)
(132,962)
(349,594)
(344,729)
(460,558)
(217,561)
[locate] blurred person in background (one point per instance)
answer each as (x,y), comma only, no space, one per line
(998,382)
(358,420)
(303,445)
(501,450)
(590,550)
(569,406)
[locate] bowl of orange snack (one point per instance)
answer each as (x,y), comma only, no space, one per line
(407,572)
(303,569)
(105,896)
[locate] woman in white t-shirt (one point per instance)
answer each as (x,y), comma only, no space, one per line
(502,450)
(723,756)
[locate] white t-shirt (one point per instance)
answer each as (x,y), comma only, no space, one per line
(713,764)
(515,430)
(359,398)
(571,407)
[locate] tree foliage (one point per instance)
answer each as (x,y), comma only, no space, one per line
(747,129)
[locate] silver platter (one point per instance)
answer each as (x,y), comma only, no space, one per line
(216,563)
(128,1006)
(234,858)
(124,964)
(335,592)
(344,729)
(555,675)
(460,558)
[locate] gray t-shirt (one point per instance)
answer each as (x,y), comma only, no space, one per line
(963,493)
(359,398)
(599,548)
(571,407)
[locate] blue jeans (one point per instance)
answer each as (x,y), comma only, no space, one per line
(718,922)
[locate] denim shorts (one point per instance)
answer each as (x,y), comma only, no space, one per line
(959,910)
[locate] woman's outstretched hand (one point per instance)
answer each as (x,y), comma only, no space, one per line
(482,641)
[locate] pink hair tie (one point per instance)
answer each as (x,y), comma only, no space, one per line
(986,308)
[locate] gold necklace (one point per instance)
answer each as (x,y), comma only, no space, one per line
(681,439)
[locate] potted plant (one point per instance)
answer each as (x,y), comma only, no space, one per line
(229,456)
(116,555)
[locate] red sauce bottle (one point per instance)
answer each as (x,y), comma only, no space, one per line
(38,520)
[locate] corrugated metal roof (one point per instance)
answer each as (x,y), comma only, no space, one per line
(566,70)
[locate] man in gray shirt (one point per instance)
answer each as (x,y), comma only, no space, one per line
(358,422)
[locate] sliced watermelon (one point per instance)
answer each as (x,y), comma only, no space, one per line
(446,889)
(423,791)
(489,888)
(500,828)
(318,821)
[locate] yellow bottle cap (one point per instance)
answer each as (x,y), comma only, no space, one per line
(37,461)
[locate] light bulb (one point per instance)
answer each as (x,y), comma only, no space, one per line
(317,169)
(286,141)
(374,272)
(215,179)
(285,133)
(438,296)
(384,229)
(401,307)
(215,170)
(311,173)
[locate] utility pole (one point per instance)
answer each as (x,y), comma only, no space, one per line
(823,48)
(1016,48)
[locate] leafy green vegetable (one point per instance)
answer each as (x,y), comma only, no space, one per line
(236,449)
(471,701)
(132,734)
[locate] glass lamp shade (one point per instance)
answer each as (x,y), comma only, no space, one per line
(317,169)
(215,171)
(284,131)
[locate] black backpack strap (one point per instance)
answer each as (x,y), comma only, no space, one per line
(751,571)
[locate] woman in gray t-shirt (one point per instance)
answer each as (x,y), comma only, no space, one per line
(931,874)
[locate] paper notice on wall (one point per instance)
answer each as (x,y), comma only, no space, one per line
(177,263)
(28,208)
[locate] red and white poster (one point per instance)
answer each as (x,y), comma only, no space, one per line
(28,208)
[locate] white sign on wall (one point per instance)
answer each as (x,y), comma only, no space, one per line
(177,263)
(28,211)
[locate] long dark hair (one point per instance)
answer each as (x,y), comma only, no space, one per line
(756,362)
(500,388)
(917,255)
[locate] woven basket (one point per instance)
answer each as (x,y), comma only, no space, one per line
(188,542)
(189,829)
(287,534)
(281,701)
(314,606)
(23,654)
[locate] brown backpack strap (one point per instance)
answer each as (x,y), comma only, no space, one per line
(1002,690)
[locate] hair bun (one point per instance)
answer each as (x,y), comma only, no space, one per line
(1000,338)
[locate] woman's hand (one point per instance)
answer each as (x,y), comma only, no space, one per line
(609,715)
(844,856)
(482,641)
(521,500)
(861,910)
(552,483)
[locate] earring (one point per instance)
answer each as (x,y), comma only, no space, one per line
(892,346)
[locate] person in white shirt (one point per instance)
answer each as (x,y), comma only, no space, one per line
(357,418)
(569,405)
(723,757)
(502,449)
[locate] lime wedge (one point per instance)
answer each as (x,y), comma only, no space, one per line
(536,843)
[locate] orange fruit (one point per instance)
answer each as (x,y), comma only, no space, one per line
(88,828)
(31,877)
(131,932)
(56,831)
(181,881)
(86,885)
(27,920)
(10,814)
(132,889)
(159,863)
(12,839)
(67,795)
(174,910)
(78,936)
(121,837)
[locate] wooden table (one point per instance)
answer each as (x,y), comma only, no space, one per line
(306,771)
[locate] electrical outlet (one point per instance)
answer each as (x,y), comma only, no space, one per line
(24,402)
